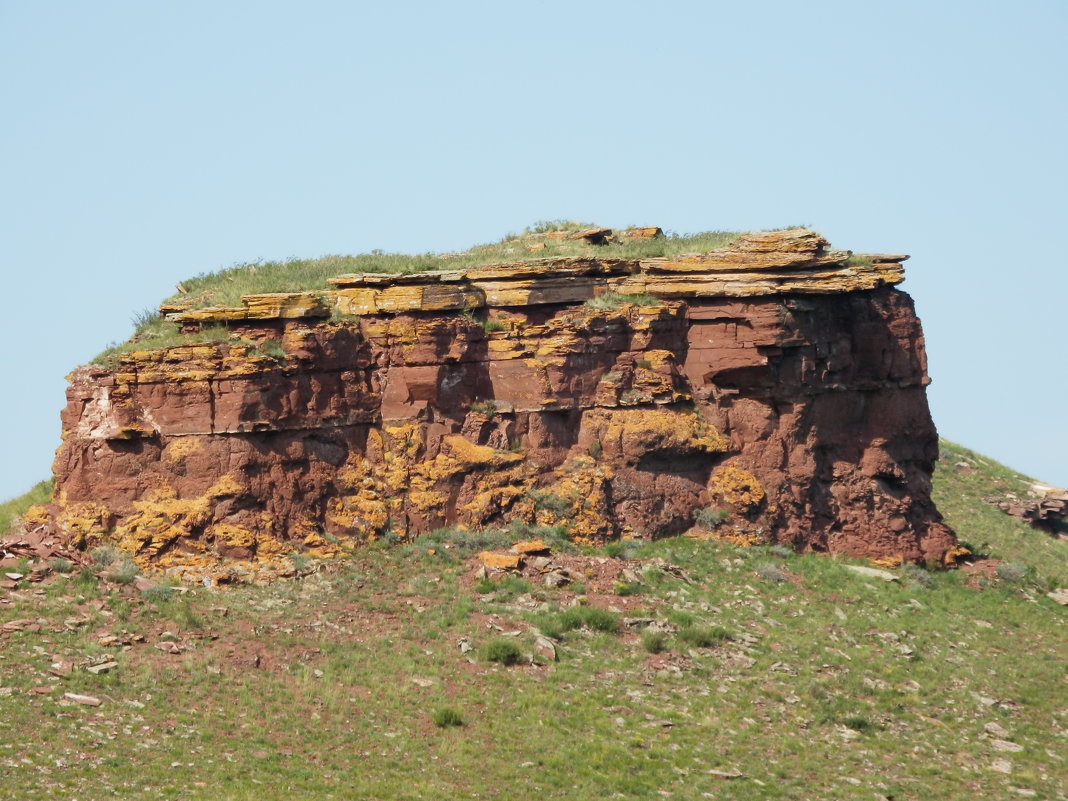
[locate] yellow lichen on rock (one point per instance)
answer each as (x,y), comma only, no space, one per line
(179,448)
(85,523)
(736,487)
(642,431)
(577,500)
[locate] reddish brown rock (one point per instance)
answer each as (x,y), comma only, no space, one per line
(800,414)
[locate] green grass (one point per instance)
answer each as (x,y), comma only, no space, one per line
(958,492)
(350,682)
(226,287)
(41,492)
(616,300)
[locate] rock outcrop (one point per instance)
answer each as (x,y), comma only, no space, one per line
(775,388)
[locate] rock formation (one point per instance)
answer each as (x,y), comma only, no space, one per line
(773,390)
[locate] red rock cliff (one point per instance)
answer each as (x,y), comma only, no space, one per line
(773,383)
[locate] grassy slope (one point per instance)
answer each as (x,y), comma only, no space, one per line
(831,686)
(958,492)
(41,492)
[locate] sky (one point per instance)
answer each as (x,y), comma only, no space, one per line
(143,143)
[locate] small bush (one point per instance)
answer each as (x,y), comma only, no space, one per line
(503,651)
(709,518)
(628,588)
(916,576)
(770,573)
(161,593)
(545,501)
(492,325)
(61,565)
(589,617)
(511,586)
(701,637)
(616,300)
(1012,573)
(446,716)
(654,642)
(272,349)
(122,572)
(858,723)
(104,555)
(622,548)
(486,407)
(781,552)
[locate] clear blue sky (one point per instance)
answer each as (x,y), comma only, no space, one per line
(146,142)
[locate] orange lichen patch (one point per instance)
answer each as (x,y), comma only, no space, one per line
(229,535)
(732,535)
(179,448)
(578,499)
(470,455)
(162,518)
(499,561)
(83,523)
(891,561)
(36,515)
(530,547)
(641,431)
(955,555)
(364,512)
(736,487)
(496,492)
(316,544)
(425,500)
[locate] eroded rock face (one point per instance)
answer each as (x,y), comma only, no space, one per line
(770,383)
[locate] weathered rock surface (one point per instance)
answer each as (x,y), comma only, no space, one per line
(772,381)
(1047,508)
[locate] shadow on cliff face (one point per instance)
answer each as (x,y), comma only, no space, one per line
(849,388)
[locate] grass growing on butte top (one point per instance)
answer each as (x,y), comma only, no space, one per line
(226,287)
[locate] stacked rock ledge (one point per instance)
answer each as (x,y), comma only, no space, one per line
(774,384)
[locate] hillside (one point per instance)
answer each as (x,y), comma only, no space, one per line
(678,668)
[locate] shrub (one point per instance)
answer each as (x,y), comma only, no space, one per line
(492,325)
(161,593)
(916,576)
(552,503)
(710,518)
(701,637)
(503,651)
(104,555)
(446,716)
(654,642)
(589,617)
(486,407)
(622,548)
(1012,573)
(616,300)
(61,565)
(122,572)
(627,588)
(770,573)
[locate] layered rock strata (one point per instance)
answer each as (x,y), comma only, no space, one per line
(774,389)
